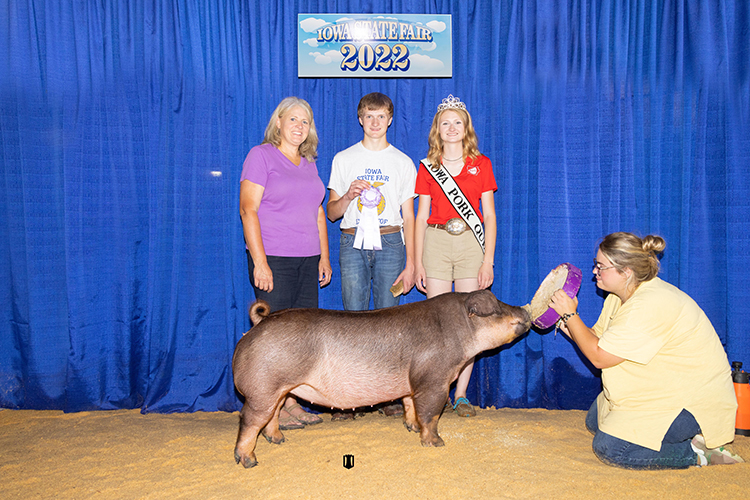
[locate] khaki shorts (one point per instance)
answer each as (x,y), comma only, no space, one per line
(448,257)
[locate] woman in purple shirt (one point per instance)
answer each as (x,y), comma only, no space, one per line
(284,225)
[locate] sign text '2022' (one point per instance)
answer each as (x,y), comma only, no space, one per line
(381,57)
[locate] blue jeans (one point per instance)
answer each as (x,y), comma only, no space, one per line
(362,268)
(675,453)
(295,282)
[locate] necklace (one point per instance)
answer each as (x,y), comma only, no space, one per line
(454,159)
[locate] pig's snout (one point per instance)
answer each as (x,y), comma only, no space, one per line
(522,320)
(517,317)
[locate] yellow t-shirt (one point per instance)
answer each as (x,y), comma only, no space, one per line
(673,360)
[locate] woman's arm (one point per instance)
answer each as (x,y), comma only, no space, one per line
(407,275)
(486,271)
(420,228)
(582,335)
(250,196)
(324,266)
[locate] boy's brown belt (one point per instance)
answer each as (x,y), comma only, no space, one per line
(383,230)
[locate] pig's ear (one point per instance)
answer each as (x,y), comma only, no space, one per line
(481,303)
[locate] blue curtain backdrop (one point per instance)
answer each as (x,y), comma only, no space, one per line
(124,124)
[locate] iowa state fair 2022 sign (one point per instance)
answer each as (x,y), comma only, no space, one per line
(374,45)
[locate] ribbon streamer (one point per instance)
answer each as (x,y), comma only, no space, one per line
(367,236)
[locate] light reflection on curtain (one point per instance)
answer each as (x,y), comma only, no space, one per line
(123,126)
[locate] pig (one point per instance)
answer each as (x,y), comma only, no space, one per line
(346,359)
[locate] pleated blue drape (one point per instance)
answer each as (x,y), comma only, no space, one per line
(124,124)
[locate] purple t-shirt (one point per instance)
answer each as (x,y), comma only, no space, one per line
(288,211)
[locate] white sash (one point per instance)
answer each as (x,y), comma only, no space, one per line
(457,198)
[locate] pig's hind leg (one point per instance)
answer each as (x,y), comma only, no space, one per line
(252,421)
(271,431)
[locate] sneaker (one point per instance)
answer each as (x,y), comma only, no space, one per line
(713,456)
(463,408)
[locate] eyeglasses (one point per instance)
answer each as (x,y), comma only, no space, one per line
(598,268)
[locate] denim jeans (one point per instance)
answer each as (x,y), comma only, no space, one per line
(361,269)
(675,453)
(295,282)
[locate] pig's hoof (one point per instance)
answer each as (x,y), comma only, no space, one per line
(274,439)
(247,462)
(438,441)
(412,427)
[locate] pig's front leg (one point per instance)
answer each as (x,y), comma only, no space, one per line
(429,435)
(410,415)
(428,407)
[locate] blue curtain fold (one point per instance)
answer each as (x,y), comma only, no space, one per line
(123,127)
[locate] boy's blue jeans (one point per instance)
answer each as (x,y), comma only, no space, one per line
(362,268)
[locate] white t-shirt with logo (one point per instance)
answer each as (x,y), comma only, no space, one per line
(389,171)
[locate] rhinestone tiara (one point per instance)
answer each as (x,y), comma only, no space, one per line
(451,102)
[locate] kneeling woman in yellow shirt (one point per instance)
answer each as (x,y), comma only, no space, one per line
(667,400)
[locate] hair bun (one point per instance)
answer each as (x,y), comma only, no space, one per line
(653,243)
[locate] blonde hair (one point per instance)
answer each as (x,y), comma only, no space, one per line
(626,250)
(470,143)
(309,148)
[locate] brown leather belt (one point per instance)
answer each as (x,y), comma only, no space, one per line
(383,230)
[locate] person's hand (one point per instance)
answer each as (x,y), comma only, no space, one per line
(356,188)
(407,277)
(324,272)
(486,275)
(562,304)
(420,278)
(263,277)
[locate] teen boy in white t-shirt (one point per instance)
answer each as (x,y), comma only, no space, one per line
(372,188)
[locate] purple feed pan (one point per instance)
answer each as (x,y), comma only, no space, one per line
(565,276)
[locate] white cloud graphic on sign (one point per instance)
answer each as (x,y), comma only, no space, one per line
(437,26)
(425,63)
(312,42)
(427,47)
(327,58)
(312,24)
